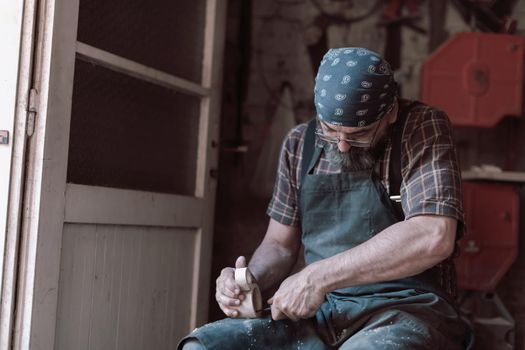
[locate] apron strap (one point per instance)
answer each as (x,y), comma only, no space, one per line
(308,148)
(394,171)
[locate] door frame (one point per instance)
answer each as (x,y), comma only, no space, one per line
(47,197)
(18,26)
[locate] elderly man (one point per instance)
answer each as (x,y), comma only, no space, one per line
(371,188)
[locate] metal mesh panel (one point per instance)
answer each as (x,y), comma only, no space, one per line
(127,133)
(164,34)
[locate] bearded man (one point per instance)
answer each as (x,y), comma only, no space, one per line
(371,188)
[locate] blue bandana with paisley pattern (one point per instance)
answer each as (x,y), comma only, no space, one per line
(353,87)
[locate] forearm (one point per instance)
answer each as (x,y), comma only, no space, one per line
(402,250)
(271,263)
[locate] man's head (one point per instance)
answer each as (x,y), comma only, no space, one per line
(355,98)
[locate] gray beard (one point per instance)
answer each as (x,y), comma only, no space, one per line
(356,159)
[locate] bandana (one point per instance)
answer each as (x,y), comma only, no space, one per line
(353,87)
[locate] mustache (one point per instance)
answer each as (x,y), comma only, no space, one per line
(356,159)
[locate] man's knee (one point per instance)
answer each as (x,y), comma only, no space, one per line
(192,344)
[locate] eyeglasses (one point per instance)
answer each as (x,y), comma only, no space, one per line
(351,141)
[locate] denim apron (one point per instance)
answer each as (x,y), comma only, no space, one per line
(339,212)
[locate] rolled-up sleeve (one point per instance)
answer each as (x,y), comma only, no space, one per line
(431,173)
(284,204)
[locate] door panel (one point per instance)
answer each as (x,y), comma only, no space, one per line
(120,200)
(124,287)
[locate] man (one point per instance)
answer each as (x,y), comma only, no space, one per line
(379,274)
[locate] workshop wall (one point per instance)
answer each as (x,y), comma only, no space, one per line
(272,51)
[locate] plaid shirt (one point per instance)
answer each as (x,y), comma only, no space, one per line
(431,179)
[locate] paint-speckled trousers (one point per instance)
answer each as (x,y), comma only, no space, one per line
(415,321)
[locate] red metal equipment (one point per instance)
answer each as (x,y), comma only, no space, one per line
(476,78)
(490,245)
(488,249)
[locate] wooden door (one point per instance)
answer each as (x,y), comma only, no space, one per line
(116,243)
(17,28)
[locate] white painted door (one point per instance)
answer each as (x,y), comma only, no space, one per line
(120,190)
(16,28)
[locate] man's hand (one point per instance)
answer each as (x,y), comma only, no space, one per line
(228,293)
(297,297)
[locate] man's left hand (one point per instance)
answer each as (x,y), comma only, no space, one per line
(298,297)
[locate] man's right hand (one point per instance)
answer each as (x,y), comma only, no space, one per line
(228,293)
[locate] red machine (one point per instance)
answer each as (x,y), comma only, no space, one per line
(490,245)
(488,249)
(477,79)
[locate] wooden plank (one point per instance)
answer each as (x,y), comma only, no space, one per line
(105,205)
(205,112)
(146,289)
(180,327)
(124,307)
(11,19)
(130,312)
(198,267)
(123,65)
(124,287)
(175,331)
(42,222)
(74,305)
(26,13)
(505,176)
(102,325)
(207,159)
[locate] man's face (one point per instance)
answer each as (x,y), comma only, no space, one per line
(356,148)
